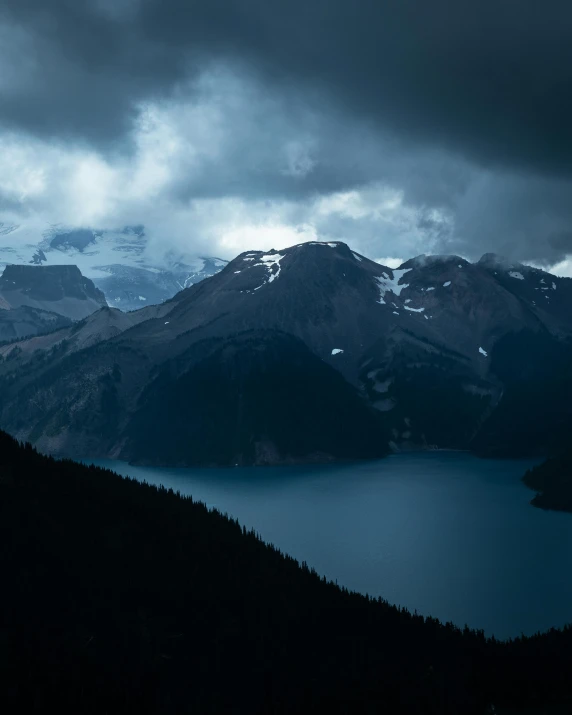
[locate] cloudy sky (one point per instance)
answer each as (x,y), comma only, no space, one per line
(399,126)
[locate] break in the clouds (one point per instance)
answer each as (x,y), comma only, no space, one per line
(401,127)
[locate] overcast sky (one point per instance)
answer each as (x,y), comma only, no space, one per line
(399,126)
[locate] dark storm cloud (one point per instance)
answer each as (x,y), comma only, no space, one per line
(520,216)
(492,80)
(465,108)
(72,70)
(561,241)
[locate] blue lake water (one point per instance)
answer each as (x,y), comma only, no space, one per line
(442,533)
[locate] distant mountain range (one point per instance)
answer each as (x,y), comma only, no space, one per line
(310,353)
(59,289)
(36,300)
(118,262)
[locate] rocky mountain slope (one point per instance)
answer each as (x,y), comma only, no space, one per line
(18,323)
(35,301)
(438,353)
(58,289)
(118,262)
(70,337)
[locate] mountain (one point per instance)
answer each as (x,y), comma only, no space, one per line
(437,353)
(118,262)
(57,289)
(39,300)
(69,337)
(120,597)
(552,481)
(260,398)
(22,322)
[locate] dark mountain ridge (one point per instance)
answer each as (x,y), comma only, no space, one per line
(19,323)
(444,352)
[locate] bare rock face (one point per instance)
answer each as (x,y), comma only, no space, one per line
(439,352)
(58,289)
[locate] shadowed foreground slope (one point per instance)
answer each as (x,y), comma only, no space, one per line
(258,398)
(118,597)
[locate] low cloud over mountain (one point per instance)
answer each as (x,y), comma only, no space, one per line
(402,127)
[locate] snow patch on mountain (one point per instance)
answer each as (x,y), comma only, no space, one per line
(270,261)
(391,285)
(516,274)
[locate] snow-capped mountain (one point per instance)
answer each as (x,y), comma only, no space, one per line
(310,352)
(118,262)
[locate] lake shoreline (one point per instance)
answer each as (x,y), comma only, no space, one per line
(445,532)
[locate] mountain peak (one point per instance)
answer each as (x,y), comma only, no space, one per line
(424,261)
(61,289)
(303,262)
(494,260)
(49,282)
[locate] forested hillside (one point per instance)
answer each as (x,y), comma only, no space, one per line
(118,597)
